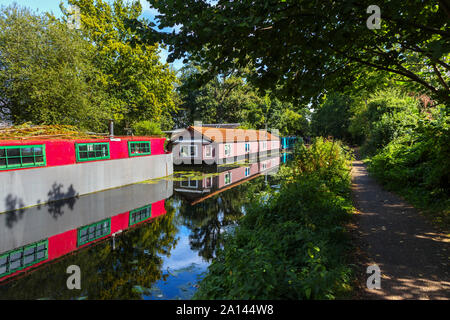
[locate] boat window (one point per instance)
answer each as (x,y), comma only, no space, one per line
(208,151)
(23,257)
(227,149)
(13,157)
(92,151)
(140,214)
(139,148)
(188,151)
(94,231)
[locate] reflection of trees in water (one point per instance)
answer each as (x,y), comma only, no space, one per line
(105,273)
(208,219)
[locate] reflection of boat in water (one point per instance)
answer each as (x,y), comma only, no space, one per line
(198,186)
(34,236)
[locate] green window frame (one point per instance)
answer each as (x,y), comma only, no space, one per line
(92,151)
(23,156)
(139,148)
(140,214)
(23,257)
(94,231)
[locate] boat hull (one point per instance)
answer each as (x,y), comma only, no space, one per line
(37,186)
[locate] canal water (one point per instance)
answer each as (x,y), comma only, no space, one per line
(152,240)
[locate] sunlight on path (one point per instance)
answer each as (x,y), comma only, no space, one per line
(412,255)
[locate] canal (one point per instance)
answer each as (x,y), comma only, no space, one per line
(152,240)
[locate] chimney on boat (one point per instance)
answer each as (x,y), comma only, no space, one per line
(111,128)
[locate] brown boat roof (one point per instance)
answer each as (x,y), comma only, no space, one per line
(233,135)
(53,132)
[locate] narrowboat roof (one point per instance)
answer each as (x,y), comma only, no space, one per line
(229,135)
(86,138)
(26,133)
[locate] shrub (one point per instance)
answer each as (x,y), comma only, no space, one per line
(387,115)
(332,118)
(417,165)
(293,246)
(147,128)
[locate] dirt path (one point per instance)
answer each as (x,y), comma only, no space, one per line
(413,257)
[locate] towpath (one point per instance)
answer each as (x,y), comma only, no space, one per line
(412,255)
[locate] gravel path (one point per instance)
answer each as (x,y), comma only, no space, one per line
(412,255)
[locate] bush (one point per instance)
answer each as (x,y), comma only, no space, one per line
(387,115)
(293,246)
(147,128)
(417,165)
(332,118)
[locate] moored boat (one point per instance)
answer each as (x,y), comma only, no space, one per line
(36,170)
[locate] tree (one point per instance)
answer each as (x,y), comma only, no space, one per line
(230,98)
(224,99)
(387,115)
(303,48)
(288,119)
(208,219)
(332,118)
(46,75)
(140,86)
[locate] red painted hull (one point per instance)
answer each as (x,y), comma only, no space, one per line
(61,152)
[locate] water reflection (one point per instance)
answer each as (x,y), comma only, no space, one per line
(196,186)
(211,210)
(81,233)
(161,257)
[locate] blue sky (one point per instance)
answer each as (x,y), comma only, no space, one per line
(53,6)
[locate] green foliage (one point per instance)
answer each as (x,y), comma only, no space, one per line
(308,46)
(291,244)
(140,87)
(332,117)
(46,73)
(231,99)
(147,128)
(51,74)
(224,99)
(387,115)
(288,119)
(417,165)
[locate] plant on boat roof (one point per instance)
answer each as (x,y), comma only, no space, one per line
(28,130)
(147,128)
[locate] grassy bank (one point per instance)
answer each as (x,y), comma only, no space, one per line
(292,242)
